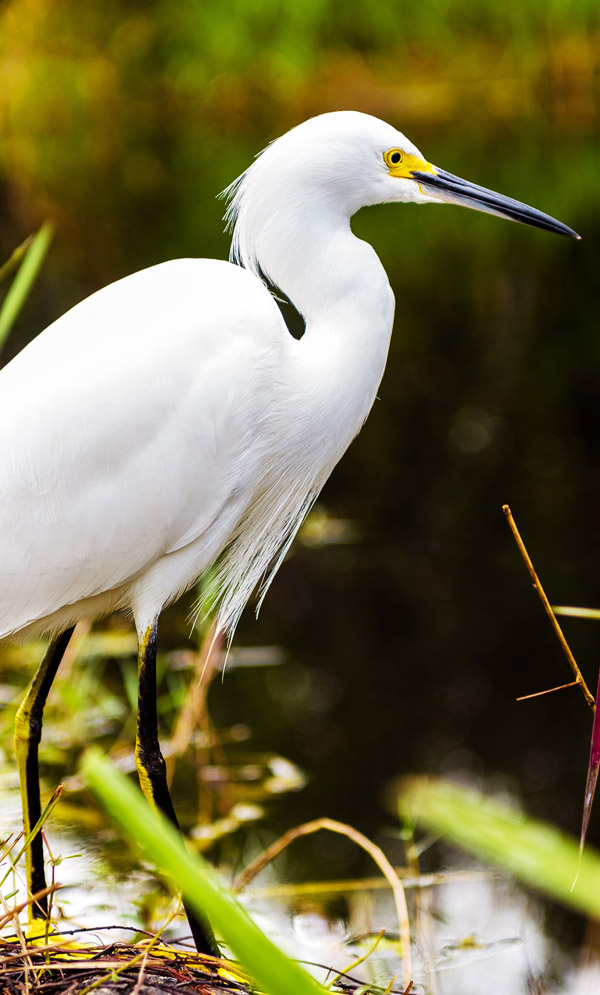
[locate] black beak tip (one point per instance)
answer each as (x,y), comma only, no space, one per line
(568,232)
(459,191)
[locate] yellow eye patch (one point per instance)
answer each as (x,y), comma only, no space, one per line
(403,164)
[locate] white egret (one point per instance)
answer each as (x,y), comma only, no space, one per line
(171,419)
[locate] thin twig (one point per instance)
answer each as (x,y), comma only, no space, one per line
(548,609)
(538,694)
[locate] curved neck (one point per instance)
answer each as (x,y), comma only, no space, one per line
(338,284)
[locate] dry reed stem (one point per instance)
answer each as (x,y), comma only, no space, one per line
(548,609)
(27,964)
(194,716)
(375,852)
(56,795)
(10,914)
(80,634)
(142,971)
(193,712)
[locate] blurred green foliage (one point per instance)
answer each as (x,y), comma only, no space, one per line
(124,119)
(492,830)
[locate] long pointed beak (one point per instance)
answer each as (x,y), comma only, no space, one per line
(447,187)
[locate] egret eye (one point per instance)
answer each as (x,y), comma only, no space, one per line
(393,157)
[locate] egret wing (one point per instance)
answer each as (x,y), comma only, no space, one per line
(127,427)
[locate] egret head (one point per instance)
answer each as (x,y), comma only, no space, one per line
(334,163)
(330,166)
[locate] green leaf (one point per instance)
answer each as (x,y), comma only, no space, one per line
(273,972)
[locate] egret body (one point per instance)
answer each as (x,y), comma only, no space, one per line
(171,419)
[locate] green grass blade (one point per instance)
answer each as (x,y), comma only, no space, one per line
(273,972)
(14,260)
(20,287)
(534,852)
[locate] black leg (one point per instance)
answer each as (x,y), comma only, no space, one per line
(152,769)
(28,733)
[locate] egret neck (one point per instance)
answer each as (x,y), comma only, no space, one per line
(337,283)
